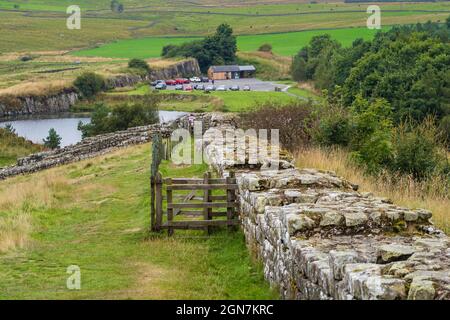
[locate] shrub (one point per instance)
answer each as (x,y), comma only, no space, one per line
(139,64)
(53,140)
(89,84)
(333,127)
(293,121)
(444,127)
(266,47)
(122,117)
(417,150)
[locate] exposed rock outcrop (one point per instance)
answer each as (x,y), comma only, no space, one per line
(62,101)
(54,103)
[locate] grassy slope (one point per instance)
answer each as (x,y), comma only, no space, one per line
(43,26)
(13,147)
(95,214)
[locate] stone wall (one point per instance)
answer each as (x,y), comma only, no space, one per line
(319,238)
(87,148)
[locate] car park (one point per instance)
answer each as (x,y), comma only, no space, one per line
(246,88)
(179,87)
(171,82)
(195,79)
(221,88)
(234,88)
(161,86)
(205,79)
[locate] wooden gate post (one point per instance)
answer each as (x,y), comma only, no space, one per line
(230,199)
(158,201)
(207,212)
(169,208)
(152,204)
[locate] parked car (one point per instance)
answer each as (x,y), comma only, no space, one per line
(179,87)
(182,81)
(205,79)
(234,88)
(221,88)
(161,86)
(210,88)
(171,82)
(195,79)
(188,88)
(199,87)
(246,88)
(154,83)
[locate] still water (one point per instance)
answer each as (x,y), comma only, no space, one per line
(36,128)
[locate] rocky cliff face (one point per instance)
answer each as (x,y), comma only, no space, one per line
(187,68)
(62,101)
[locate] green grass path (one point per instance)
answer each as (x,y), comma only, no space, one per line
(97,218)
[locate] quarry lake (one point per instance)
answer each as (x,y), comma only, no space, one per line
(35,128)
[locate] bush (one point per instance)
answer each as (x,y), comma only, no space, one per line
(122,117)
(444,127)
(293,121)
(53,140)
(89,84)
(139,64)
(333,127)
(266,47)
(417,150)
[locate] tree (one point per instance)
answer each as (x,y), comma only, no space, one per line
(116,6)
(266,47)
(10,128)
(298,69)
(121,117)
(219,48)
(89,84)
(53,140)
(139,64)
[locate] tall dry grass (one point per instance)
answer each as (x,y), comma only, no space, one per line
(36,88)
(431,194)
(19,199)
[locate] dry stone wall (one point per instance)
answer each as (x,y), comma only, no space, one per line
(319,238)
(87,148)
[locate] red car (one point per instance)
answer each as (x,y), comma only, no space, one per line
(188,88)
(171,82)
(182,81)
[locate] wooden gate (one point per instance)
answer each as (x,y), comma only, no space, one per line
(203,203)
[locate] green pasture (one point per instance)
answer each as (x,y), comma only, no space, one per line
(285,44)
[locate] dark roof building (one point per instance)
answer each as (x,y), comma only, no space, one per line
(231,72)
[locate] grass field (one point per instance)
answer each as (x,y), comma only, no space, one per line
(285,44)
(95,214)
(41,24)
(227,101)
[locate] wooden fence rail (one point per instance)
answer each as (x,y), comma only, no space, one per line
(208,205)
